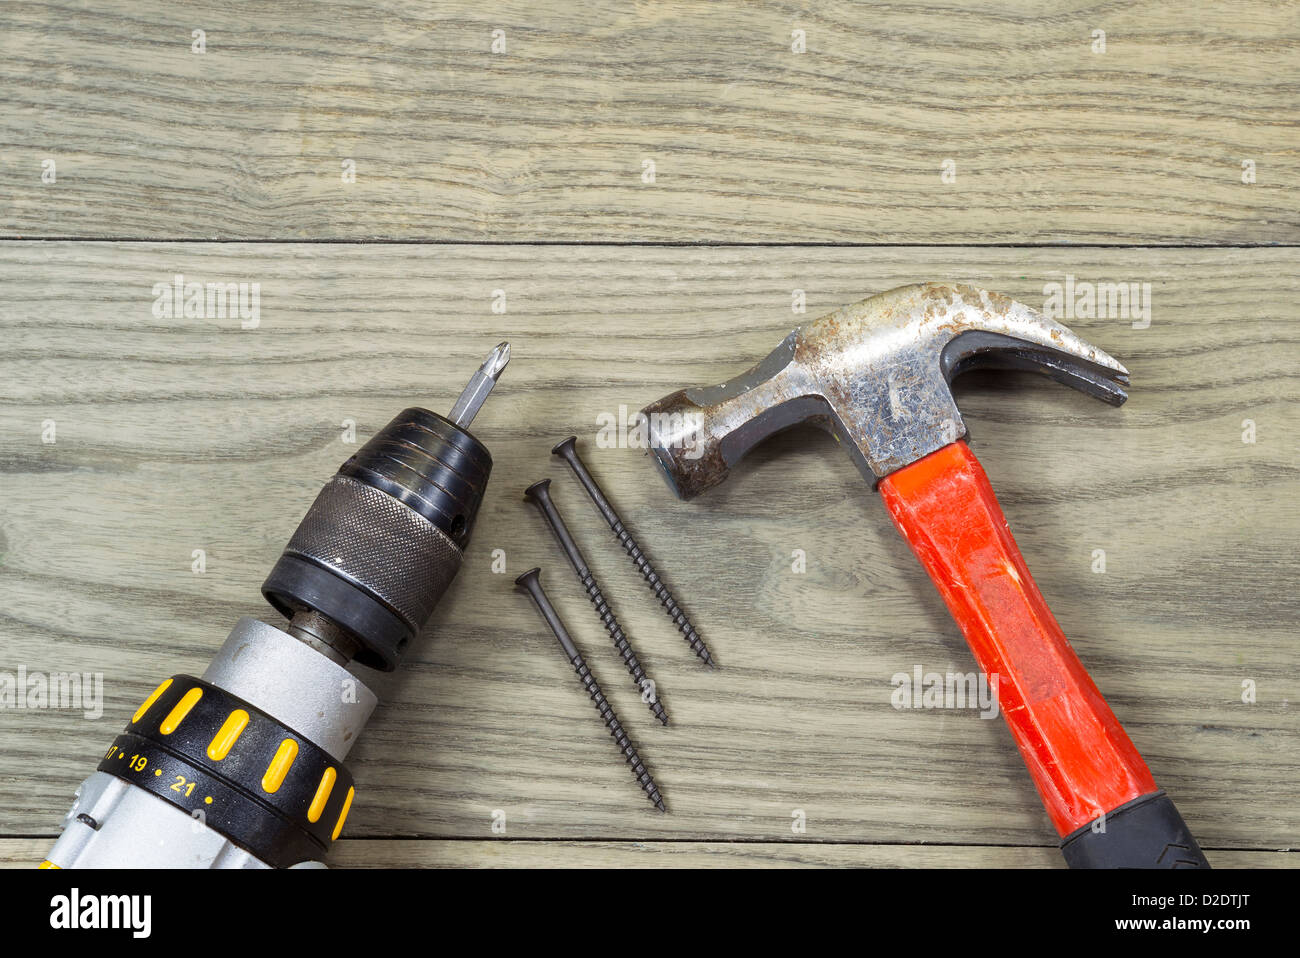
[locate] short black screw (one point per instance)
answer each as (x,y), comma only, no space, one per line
(539,494)
(567,449)
(530,582)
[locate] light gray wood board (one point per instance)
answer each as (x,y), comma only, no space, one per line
(175,435)
(504,853)
(1051,141)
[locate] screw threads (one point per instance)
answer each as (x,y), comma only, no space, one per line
(662,593)
(621,739)
(530,582)
(639,678)
(567,449)
(539,493)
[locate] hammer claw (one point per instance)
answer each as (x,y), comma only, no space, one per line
(877,374)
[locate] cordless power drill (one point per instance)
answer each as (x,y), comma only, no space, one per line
(243,767)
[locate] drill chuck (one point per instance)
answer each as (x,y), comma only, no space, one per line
(384,538)
(243,767)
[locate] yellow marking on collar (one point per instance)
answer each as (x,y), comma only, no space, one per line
(181,709)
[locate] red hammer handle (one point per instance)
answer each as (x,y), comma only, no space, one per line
(1081,760)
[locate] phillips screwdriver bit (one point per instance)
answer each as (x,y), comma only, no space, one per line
(480,384)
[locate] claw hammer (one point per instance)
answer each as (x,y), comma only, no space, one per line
(877,375)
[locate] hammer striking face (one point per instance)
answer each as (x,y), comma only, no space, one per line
(877,375)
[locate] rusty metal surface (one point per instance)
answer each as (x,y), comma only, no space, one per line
(877,375)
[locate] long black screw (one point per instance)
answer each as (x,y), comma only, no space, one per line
(567,449)
(539,494)
(531,582)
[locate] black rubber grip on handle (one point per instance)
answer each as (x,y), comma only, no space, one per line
(1147,832)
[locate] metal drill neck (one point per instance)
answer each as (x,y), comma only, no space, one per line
(323,634)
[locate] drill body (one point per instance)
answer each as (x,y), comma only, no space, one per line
(243,766)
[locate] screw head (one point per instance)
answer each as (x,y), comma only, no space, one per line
(529,579)
(565,447)
(538,490)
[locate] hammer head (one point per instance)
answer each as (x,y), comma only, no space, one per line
(877,375)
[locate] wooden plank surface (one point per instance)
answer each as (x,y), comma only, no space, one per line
(181,434)
(503,853)
(1051,141)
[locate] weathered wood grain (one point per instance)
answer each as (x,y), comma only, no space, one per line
(183,434)
(504,853)
(1052,142)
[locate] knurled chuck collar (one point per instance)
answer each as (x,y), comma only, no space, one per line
(385,536)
